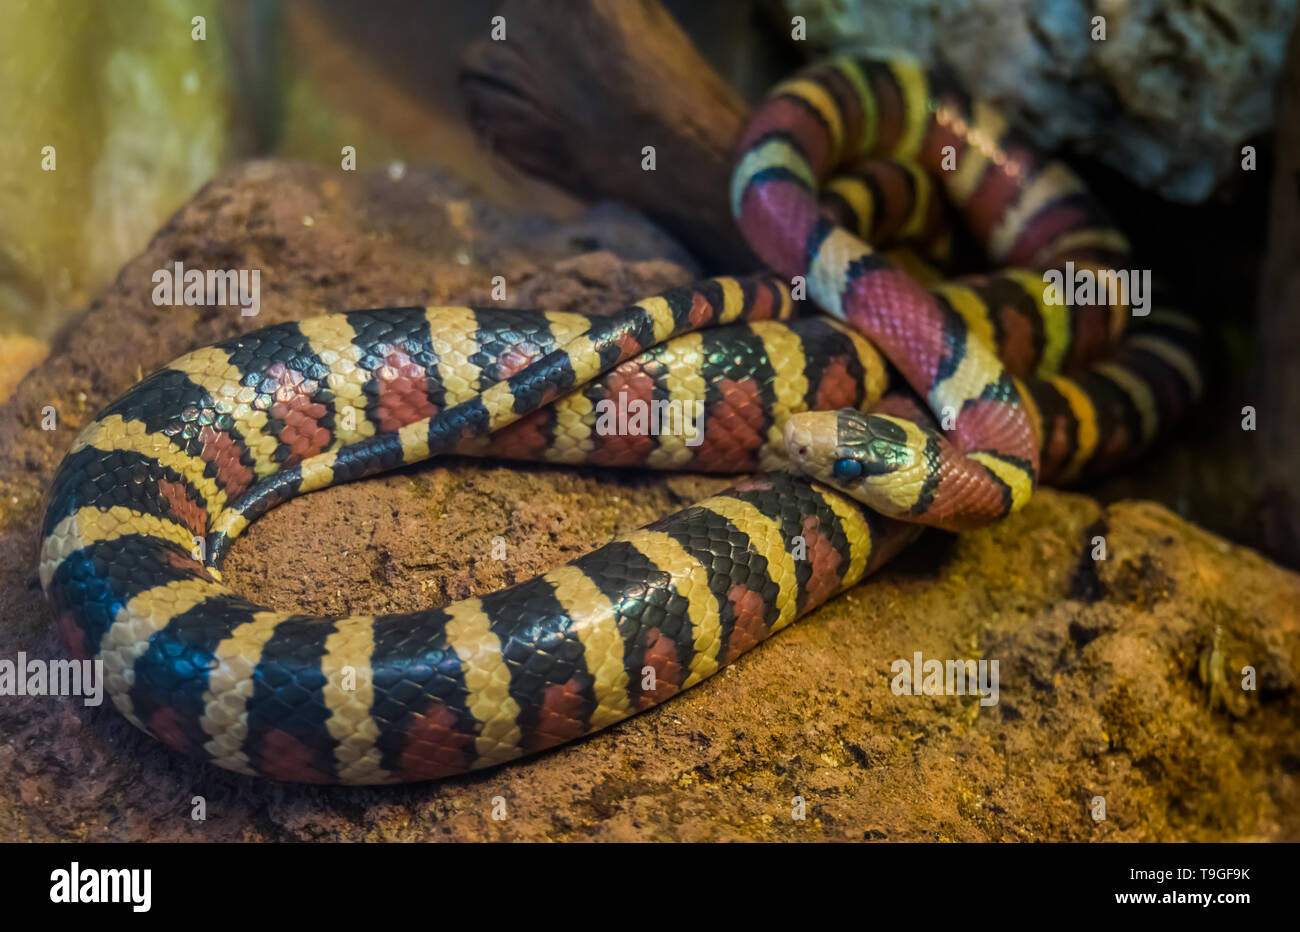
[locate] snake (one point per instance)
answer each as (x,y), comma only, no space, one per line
(912,399)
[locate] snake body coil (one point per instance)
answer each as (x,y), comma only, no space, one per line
(985,353)
(146,503)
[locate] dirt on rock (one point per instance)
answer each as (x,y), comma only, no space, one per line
(1107,687)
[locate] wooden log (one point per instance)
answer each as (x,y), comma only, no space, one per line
(576,95)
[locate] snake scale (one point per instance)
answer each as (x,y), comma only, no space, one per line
(147,501)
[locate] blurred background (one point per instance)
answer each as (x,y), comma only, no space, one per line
(143,104)
(145,100)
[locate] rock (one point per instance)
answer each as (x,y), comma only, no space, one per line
(1101,693)
(1167,98)
(19,354)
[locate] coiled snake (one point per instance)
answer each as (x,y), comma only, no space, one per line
(145,504)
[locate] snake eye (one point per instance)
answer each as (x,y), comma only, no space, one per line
(847,469)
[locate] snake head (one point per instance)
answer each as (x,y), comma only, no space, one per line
(877,459)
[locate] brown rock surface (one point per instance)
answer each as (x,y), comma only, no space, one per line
(1101,689)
